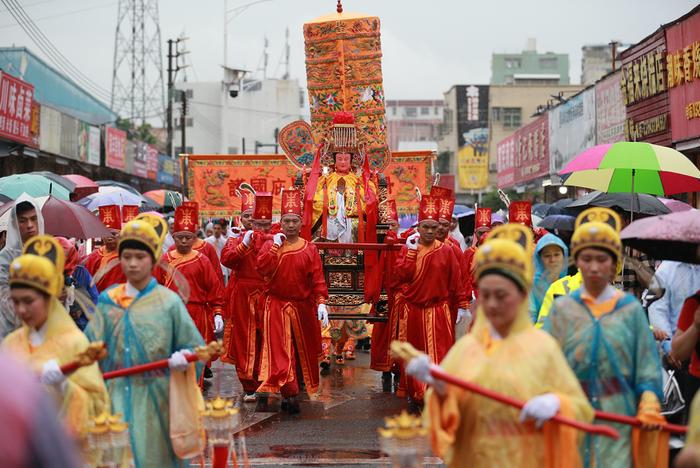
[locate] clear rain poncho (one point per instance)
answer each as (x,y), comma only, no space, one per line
(542,280)
(12,250)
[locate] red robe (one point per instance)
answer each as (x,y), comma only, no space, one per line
(294,286)
(384,333)
(469,280)
(457,250)
(431,278)
(208,250)
(206,291)
(243,294)
(98,260)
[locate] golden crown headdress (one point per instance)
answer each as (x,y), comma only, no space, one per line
(508,249)
(140,230)
(159,224)
(598,228)
(40,266)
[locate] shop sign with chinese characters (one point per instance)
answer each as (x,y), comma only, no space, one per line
(16,98)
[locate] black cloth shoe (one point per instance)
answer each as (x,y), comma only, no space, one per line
(208,374)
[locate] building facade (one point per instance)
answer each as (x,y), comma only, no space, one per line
(597,61)
(530,67)
(218,123)
(412,121)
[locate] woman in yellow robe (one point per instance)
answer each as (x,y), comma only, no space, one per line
(49,338)
(506,354)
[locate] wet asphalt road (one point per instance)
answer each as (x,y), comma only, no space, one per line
(338,429)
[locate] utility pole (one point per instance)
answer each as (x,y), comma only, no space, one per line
(183,139)
(173,68)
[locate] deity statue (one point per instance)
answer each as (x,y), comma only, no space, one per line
(341,199)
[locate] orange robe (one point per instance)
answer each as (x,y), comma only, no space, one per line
(384,333)
(294,286)
(469,279)
(457,250)
(206,291)
(243,294)
(98,260)
(208,250)
(431,279)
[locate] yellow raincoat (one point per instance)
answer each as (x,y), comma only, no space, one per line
(85,395)
(469,430)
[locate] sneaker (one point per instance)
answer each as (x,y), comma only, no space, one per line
(250,397)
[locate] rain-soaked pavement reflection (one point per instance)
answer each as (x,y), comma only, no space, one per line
(337,429)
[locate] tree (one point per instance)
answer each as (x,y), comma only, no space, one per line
(142,133)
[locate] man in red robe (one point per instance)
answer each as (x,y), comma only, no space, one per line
(482,226)
(242,335)
(294,303)
(103,263)
(205,248)
(431,278)
(205,301)
(446,205)
(384,332)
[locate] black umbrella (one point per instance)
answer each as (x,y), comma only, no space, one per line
(4,198)
(541,209)
(558,222)
(643,203)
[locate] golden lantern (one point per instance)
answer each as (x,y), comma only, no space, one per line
(108,442)
(404,439)
(220,418)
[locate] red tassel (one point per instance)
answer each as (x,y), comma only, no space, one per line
(360,214)
(220,456)
(324,213)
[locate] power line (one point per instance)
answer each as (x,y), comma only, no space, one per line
(50,50)
(59,15)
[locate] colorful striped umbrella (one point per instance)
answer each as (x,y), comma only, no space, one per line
(633,167)
(166,199)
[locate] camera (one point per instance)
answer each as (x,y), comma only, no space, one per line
(233,92)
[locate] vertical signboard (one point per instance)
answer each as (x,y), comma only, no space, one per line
(645,92)
(571,129)
(151,162)
(16,98)
(50,130)
(168,170)
(683,64)
(69,137)
(88,143)
(609,110)
(473,136)
(140,159)
(532,150)
(115,148)
(505,160)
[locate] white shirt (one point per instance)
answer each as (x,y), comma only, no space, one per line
(37,337)
(680,280)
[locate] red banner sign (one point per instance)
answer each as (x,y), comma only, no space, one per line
(16,98)
(213,179)
(683,72)
(525,154)
(115,148)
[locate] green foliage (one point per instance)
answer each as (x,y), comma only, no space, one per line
(141,133)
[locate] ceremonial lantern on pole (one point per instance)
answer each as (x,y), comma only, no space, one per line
(220,420)
(108,443)
(404,439)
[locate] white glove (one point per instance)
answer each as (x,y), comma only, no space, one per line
(218,324)
(247,237)
(323,315)
(278,239)
(412,241)
(419,367)
(235,233)
(178,360)
(540,408)
(464,314)
(51,373)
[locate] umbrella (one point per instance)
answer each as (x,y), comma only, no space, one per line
(541,209)
(83,185)
(60,180)
(115,196)
(4,198)
(114,183)
(675,205)
(68,219)
(643,203)
(558,222)
(674,236)
(633,167)
(34,185)
(167,199)
(63,218)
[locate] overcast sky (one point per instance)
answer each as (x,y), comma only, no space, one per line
(428,45)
